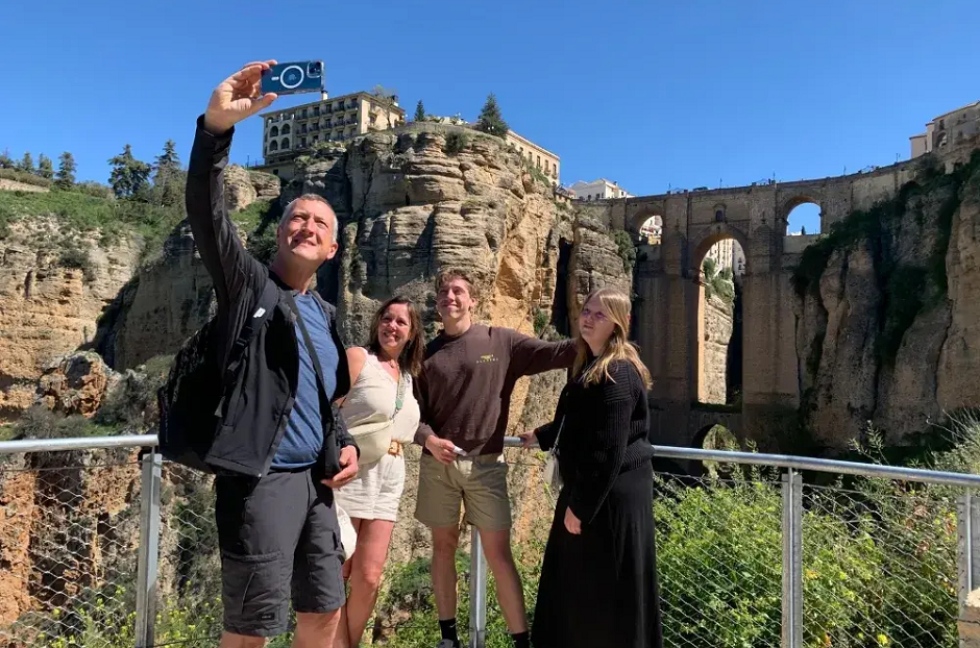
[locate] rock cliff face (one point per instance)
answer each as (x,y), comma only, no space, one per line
(54,285)
(886,321)
(717,337)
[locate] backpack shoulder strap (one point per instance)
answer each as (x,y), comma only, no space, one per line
(264,307)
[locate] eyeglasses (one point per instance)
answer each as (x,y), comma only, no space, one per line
(598,315)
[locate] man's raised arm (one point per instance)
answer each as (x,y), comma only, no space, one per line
(530,355)
(222,252)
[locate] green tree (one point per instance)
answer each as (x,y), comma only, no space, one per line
(44,167)
(419,112)
(129,176)
(65,177)
(168,178)
(6,162)
(490,120)
(27,163)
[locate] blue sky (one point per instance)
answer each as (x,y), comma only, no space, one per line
(649,94)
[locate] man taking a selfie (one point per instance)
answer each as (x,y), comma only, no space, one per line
(287,447)
(465,387)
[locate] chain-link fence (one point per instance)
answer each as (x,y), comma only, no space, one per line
(719,548)
(69,534)
(879,565)
(90,555)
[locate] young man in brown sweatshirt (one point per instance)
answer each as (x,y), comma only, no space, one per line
(464,394)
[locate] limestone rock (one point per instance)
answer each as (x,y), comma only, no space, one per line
(243,187)
(75,384)
(849,380)
(718,325)
(46,308)
(160,307)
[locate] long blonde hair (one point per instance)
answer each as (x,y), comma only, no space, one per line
(617,305)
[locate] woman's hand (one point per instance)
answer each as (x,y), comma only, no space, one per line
(572,523)
(528,439)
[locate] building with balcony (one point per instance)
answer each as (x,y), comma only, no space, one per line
(950,129)
(600,189)
(537,156)
(291,132)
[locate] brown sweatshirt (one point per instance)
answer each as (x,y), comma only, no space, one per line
(466,383)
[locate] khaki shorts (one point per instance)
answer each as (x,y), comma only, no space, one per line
(478,483)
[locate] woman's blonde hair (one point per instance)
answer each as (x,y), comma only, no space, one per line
(617,306)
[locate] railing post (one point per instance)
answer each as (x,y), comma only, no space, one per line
(149,549)
(478,592)
(967,545)
(792,528)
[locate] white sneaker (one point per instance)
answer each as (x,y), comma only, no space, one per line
(446,643)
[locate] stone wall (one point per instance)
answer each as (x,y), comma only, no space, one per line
(717,335)
(969,621)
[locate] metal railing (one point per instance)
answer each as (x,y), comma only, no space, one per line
(743,559)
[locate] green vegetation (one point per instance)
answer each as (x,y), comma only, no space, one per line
(541,321)
(906,290)
(490,120)
(718,283)
(419,112)
(538,174)
(24,177)
(625,249)
(39,422)
(455,143)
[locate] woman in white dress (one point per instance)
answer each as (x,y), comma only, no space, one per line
(382,414)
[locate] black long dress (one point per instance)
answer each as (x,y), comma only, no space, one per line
(600,588)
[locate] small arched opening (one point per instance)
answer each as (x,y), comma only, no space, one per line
(719,327)
(713,437)
(803,217)
(651,230)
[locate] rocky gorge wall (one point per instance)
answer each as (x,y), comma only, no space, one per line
(410,203)
(887,322)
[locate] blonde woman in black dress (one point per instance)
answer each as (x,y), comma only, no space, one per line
(599,578)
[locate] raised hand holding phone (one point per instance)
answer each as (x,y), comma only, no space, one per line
(293,78)
(237,97)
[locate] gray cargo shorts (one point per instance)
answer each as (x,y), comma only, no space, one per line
(278,537)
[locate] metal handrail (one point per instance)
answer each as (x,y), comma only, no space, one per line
(78,443)
(808,463)
(670,452)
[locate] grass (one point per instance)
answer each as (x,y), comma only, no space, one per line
(25,177)
(83,212)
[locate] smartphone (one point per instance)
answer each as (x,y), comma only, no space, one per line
(293,78)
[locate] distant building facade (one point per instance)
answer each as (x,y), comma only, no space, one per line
(536,155)
(950,129)
(291,132)
(600,189)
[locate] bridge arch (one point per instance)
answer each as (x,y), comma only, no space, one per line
(636,222)
(796,200)
(710,235)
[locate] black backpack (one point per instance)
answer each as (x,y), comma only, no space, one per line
(191,401)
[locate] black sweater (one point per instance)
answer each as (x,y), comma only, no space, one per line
(605,434)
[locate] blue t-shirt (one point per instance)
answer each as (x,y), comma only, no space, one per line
(303,439)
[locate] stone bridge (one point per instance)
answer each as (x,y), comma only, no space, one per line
(670,296)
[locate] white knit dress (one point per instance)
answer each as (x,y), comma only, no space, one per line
(376,491)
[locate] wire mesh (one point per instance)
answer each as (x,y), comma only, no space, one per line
(879,558)
(879,565)
(719,548)
(188,602)
(69,531)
